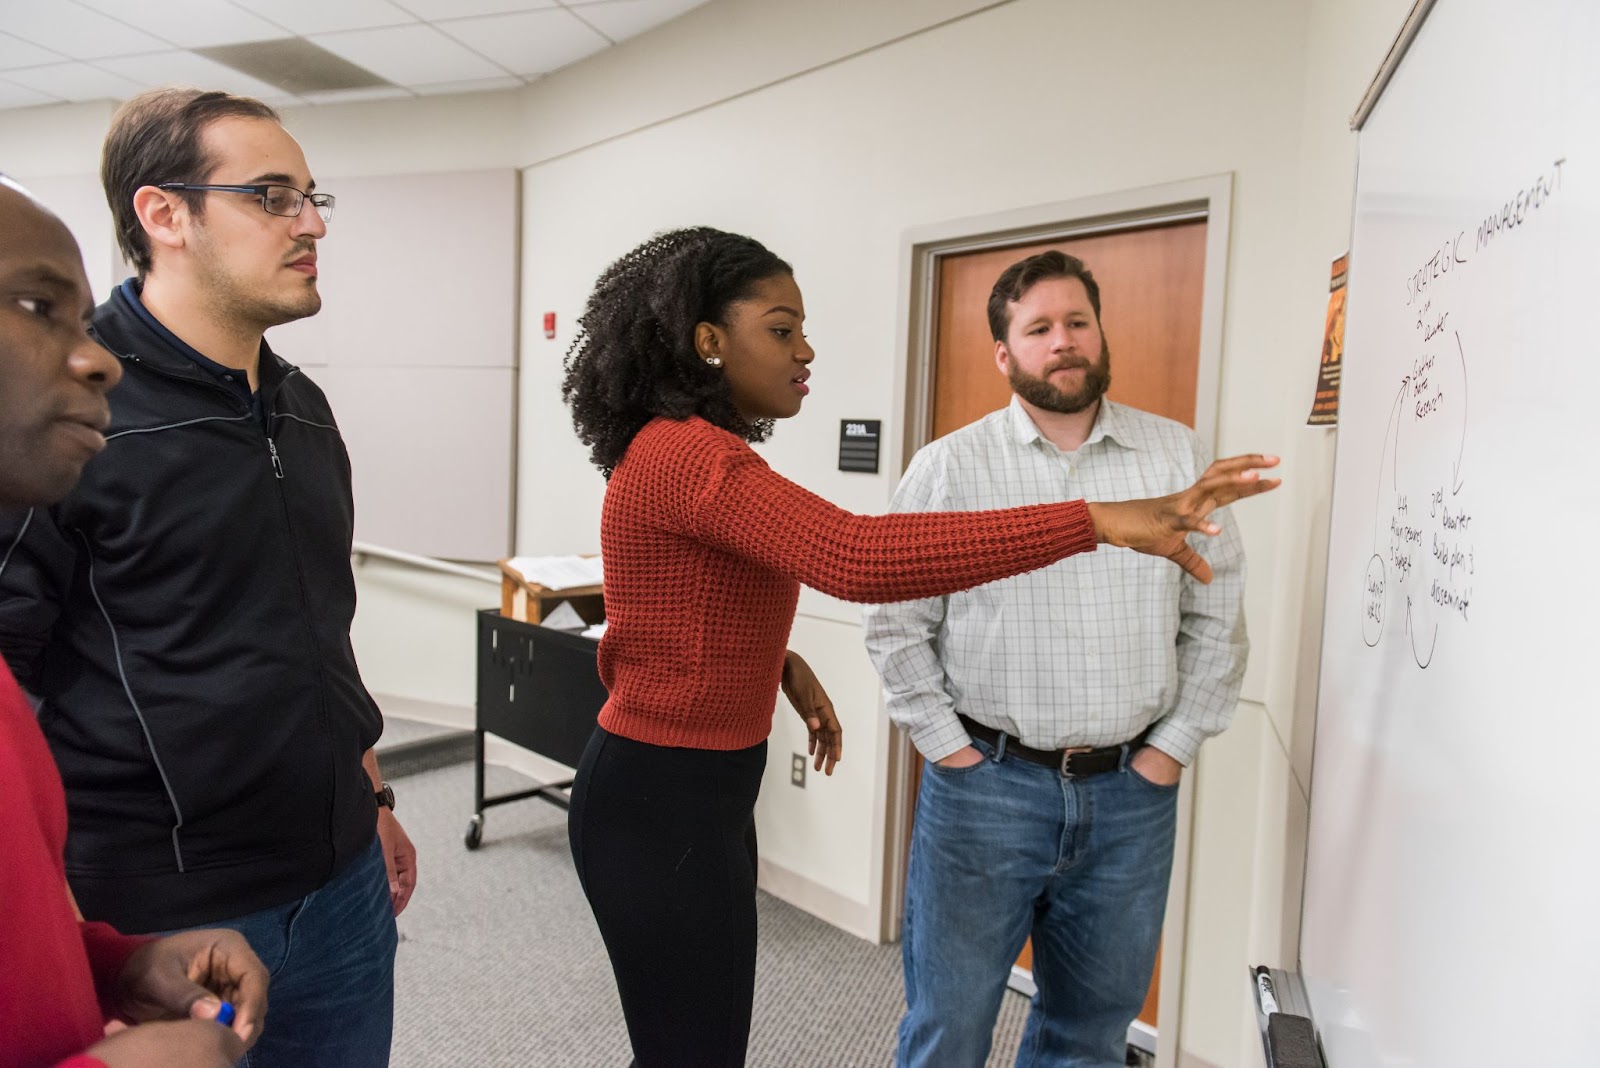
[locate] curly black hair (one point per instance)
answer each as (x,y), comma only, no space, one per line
(634,356)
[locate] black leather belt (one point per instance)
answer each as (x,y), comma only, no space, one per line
(1072,763)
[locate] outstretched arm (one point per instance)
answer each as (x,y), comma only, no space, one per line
(755,512)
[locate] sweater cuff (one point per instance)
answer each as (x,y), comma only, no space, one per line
(108,952)
(1078,531)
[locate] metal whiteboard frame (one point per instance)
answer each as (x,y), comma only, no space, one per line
(1391,62)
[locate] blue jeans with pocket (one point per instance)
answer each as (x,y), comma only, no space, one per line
(1005,849)
(331,958)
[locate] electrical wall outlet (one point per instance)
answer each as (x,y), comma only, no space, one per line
(797,770)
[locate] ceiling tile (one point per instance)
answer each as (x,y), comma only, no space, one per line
(472,85)
(350,96)
(186,68)
(533,42)
(76,81)
(76,31)
(15,96)
(621,19)
(322,16)
(410,55)
(434,10)
(19,53)
(191,23)
(295,65)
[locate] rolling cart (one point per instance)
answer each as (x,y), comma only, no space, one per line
(538,688)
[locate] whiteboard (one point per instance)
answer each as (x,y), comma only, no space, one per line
(1452,907)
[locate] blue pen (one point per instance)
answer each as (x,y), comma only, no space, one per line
(225,1014)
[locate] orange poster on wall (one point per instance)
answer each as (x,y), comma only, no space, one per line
(1325,406)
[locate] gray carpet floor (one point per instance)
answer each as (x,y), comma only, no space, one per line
(500,963)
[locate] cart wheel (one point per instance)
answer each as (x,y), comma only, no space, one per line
(474,835)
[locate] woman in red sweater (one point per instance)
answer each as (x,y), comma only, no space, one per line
(689,348)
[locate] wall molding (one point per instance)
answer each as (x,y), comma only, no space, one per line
(810,896)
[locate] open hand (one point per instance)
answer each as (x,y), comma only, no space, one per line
(806,694)
(1159,526)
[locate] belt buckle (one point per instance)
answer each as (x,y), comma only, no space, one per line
(1066,760)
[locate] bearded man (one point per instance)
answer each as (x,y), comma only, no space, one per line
(1055,710)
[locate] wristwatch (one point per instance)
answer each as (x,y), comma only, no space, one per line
(385,797)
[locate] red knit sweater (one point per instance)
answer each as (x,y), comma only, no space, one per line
(705,549)
(54,971)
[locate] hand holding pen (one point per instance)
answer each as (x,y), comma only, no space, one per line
(196,998)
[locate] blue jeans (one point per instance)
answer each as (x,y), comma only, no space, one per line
(331,957)
(1007,848)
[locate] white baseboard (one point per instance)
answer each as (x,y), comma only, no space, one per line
(1189,1060)
(827,905)
(523,762)
(433,712)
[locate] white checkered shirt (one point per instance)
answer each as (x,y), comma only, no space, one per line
(1090,650)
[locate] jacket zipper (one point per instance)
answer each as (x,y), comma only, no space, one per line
(299,570)
(311,631)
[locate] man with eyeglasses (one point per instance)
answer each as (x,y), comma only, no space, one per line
(183,616)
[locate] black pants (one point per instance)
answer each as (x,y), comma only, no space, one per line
(664,841)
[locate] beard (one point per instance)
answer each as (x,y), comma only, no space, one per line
(1039,392)
(233,299)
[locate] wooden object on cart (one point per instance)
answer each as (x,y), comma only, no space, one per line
(531,602)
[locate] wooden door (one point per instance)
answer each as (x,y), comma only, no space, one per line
(1151,283)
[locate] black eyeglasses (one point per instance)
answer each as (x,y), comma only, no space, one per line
(283,200)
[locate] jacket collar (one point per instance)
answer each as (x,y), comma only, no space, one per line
(119,325)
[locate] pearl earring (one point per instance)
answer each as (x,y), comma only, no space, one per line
(714,361)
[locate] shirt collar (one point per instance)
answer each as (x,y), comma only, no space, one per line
(1111,422)
(131,291)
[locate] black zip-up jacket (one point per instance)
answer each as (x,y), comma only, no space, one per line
(184,619)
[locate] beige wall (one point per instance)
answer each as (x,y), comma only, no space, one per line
(829,130)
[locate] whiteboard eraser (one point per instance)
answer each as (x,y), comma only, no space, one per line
(1292,1041)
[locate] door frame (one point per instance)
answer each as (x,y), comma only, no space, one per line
(1208,198)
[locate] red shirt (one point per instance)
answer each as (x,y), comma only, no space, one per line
(705,548)
(54,971)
